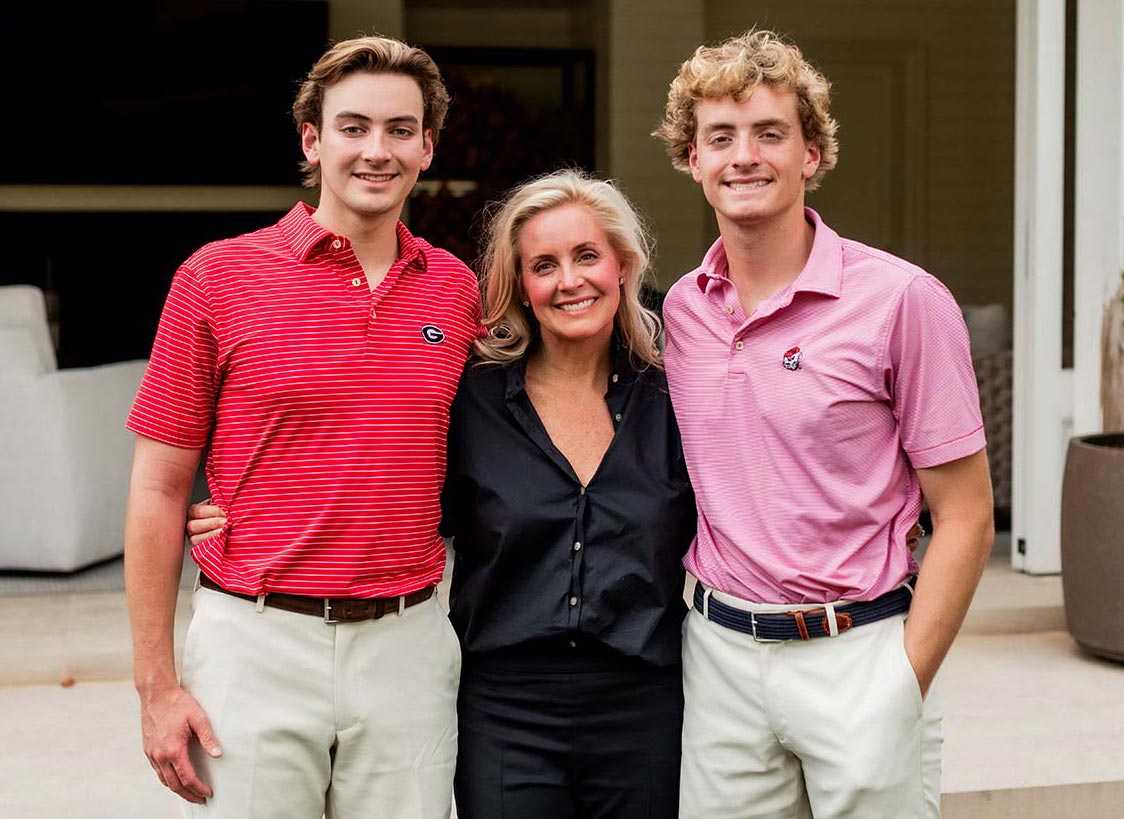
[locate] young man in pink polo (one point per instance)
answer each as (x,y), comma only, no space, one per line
(822,388)
(316,361)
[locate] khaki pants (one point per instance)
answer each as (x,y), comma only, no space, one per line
(831,727)
(347,720)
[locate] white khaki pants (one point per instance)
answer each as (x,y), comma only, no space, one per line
(348,720)
(831,727)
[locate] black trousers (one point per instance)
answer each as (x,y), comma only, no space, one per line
(596,743)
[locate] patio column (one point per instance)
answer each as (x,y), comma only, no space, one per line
(1043,401)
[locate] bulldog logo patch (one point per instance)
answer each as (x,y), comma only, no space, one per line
(792,358)
(432,334)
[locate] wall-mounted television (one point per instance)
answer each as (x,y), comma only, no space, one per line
(156,92)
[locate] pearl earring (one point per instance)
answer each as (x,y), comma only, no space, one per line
(620,280)
(526,304)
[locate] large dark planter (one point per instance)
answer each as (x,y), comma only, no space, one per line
(1093,543)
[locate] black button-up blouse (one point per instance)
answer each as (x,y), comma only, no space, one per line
(538,555)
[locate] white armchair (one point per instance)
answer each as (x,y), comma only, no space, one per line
(65,454)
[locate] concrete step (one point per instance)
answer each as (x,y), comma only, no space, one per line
(1090,800)
(1010,602)
(1034,727)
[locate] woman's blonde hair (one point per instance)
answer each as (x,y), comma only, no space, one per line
(734,69)
(512,328)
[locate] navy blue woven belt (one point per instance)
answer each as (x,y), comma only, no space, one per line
(804,625)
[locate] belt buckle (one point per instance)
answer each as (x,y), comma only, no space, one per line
(328,620)
(753,632)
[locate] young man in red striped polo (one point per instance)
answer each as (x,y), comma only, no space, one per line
(821,388)
(315,361)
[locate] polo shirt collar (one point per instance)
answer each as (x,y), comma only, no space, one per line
(822,273)
(305,235)
(715,267)
(301,232)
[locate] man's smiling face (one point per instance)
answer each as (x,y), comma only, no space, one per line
(370,146)
(751,157)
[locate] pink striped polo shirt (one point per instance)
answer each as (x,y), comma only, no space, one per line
(326,405)
(804,423)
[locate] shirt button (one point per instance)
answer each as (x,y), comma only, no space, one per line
(337,244)
(618,416)
(616,378)
(577,546)
(356,281)
(739,345)
(374,314)
(730,309)
(573,601)
(573,644)
(581,491)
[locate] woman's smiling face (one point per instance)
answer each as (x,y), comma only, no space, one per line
(570,274)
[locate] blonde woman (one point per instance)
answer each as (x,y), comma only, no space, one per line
(571,510)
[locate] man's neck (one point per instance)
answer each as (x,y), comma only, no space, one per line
(766,257)
(374,240)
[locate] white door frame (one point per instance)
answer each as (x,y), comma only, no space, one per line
(1043,391)
(1051,404)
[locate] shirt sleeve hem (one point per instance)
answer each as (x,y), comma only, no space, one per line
(163,436)
(949,451)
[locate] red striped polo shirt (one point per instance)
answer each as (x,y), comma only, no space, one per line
(804,424)
(325,405)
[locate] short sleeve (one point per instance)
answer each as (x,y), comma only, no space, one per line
(176,400)
(928,369)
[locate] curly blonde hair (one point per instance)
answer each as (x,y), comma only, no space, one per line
(511,327)
(734,69)
(369,55)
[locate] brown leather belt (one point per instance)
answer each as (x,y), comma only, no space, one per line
(332,609)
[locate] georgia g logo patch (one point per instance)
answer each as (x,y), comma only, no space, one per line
(432,334)
(791,359)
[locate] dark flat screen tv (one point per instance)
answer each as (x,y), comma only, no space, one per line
(168,92)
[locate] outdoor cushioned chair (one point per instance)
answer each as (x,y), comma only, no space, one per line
(65,454)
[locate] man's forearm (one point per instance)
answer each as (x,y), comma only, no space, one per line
(158,497)
(951,570)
